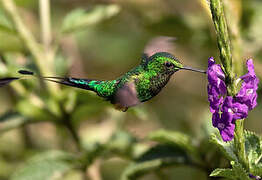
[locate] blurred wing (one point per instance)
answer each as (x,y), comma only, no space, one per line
(126,96)
(159,44)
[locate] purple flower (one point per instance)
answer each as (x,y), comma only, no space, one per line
(227,109)
(238,110)
(254,177)
(223,120)
(216,77)
(224,125)
(247,93)
(214,98)
(216,87)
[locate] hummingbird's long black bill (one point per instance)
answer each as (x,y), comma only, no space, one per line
(193,69)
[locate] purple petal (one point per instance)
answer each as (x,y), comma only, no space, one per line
(250,67)
(224,125)
(228,103)
(216,77)
(211,61)
(238,110)
(227,118)
(215,119)
(247,94)
(254,177)
(214,98)
(251,75)
(227,133)
(215,72)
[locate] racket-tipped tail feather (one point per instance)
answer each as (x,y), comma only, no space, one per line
(25,72)
(8,80)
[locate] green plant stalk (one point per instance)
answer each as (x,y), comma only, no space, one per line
(26,36)
(224,46)
(223,41)
(233,8)
(239,140)
(50,47)
(44,9)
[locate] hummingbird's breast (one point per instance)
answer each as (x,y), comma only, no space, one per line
(150,85)
(138,86)
(158,82)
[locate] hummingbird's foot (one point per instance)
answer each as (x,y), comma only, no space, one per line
(120,108)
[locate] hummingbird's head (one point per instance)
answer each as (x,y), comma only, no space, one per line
(163,62)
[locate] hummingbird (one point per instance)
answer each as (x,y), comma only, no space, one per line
(136,86)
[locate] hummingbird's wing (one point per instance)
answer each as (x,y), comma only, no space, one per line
(159,44)
(126,96)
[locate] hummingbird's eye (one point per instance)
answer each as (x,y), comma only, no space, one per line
(169,64)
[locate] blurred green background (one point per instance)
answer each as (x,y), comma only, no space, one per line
(103,39)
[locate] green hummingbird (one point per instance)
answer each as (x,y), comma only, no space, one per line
(138,85)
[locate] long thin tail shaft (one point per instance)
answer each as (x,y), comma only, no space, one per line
(74,82)
(5,81)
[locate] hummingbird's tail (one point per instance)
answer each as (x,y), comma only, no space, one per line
(5,81)
(87,84)
(8,80)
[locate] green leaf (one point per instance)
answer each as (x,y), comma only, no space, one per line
(253,147)
(175,138)
(256,169)
(61,64)
(170,137)
(239,171)
(5,23)
(154,159)
(81,18)
(47,165)
(227,173)
(121,142)
(68,99)
(10,40)
(136,170)
(34,110)
(88,105)
(226,147)
(11,120)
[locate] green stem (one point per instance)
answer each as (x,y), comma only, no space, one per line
(42,59)
(74,133)
(233,9)
(44,8)
(239,141)
(224,46)
(223,41)
(26,36)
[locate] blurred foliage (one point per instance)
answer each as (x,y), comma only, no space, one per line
(67,133)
